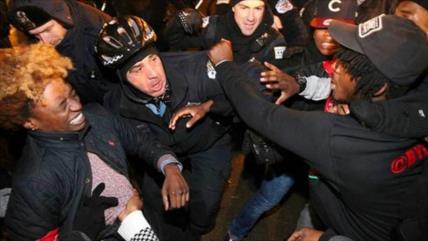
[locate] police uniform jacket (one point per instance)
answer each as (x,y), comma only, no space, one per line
(192,80)
(89,78)
(265,44)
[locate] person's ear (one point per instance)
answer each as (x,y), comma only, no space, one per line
(31,124)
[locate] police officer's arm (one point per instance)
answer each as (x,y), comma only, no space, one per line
(305,133)
(175,191)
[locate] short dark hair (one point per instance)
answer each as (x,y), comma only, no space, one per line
(369,78)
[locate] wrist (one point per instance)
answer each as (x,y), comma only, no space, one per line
(301,81)
(171,168)
(207,105)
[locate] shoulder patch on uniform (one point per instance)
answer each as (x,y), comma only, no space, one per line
(371,26)
(210,70)
(279,52)
(283,6)
(205,21)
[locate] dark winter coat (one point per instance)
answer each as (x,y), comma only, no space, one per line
(89,78)
(191,80)
(54,172)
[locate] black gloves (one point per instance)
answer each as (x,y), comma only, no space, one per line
(191,20)
(90,216)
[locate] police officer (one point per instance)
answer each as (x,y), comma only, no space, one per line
(72,27)
(155,87)
(248,25)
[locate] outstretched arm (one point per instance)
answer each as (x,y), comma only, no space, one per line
(305,133)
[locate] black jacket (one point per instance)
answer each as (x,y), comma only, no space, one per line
(54,172)
(261,45)
(89,78)
(191,80)
(365,177)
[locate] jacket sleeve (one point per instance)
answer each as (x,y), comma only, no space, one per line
(34,210)
(305,133)
(141,144)
(209,88)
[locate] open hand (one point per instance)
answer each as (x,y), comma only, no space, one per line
(196,112)
(276,79)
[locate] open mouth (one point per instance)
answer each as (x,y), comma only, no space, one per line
(78,120)
(157,86)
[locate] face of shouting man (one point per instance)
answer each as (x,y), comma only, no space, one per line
(148,75)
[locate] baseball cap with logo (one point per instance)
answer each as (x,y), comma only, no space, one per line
(29,14)
(327,10)
(396,46)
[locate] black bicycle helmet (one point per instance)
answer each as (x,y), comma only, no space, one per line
(121,38)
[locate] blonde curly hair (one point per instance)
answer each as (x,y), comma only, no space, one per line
(24,73)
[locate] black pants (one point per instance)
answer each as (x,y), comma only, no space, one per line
(206,173)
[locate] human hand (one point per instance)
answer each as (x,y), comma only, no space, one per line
(277,24)
(196,112)
(222,51)
(134,203)
(191,20)
(175,191)
(276,79)
(338,109)
(305,234)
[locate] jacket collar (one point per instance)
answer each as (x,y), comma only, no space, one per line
(63,138)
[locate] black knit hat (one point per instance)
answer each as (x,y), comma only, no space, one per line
(234,2)
(29,14)
(396,46)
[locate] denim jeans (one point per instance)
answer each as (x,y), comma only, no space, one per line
(269,194)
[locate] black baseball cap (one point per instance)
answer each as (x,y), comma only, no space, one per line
(327,10)
(396,46)
(29,14)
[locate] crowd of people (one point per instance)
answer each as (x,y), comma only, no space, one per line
(118,119)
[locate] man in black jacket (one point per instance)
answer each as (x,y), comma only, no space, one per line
(369,184)
(154,88)
(72,27)
(71,152)
(248,24)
